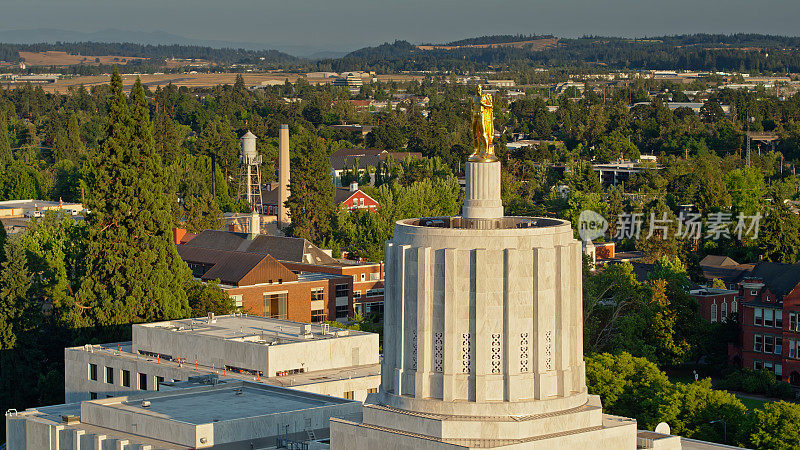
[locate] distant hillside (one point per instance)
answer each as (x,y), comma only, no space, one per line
(52,36)
(533,44)
(738,52)
(497,39)
(10,52)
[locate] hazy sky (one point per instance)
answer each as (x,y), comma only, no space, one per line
(349,24)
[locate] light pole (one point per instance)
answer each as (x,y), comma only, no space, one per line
(724,430)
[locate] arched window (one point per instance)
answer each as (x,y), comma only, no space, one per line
(724,310)
(714,312)
(733,307)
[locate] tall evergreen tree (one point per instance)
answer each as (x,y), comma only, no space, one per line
(6,157)
(134,272)
(310,203)
(75,147)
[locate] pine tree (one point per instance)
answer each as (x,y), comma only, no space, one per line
(6,157)
(134,272)
(75,147)
(310,203)
(15,281)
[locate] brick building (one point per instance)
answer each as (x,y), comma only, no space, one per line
(770,312)
(353,199)
(261,285)
(716,305)
(343,287)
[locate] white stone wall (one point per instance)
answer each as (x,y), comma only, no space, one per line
(484,316)
(77,384)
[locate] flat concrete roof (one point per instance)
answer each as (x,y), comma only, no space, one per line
(255,329)
(300,379)
(223,403)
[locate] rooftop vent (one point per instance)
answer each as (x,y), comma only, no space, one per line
(70,419)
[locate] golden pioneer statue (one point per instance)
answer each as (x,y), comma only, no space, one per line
(482,127)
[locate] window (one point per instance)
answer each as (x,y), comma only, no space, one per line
(374,276)
(375,308)
(713,312)
(92,395)
(753,292)
(778,370)
(734,307)
(342,290)
(110,375)
(778,345)
(126,378)
(159,380)
(375,292)
(758,318)
(317,315)
(792,348)
(237,301)
(372,391)
(348,395)
(356,294)
(768,317)
(93,372)
(758,343)
(317,294)
(355,202)
(792,321)
(142,381)
(276,305)
(758,365)
(767,299)
(363,277)
(769,344)
(341,311)
(778,318)
(724,310)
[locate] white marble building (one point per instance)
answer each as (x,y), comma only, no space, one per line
(483,344)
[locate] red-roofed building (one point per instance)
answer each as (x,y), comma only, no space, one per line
(353,199)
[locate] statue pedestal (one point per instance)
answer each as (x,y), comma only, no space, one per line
(482,198)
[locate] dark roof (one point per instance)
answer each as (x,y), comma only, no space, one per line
(730,275)
(779,278)
(366,157)
(231,267)
(718,261)
(281,248)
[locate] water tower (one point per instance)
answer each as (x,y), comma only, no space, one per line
(250,173)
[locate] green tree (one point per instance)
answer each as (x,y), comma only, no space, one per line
(207,298)
(218,139)
(6,156)
(779,235)
(773,427)
(746,186)
(310,202)
(632,387)
(134,272)
(75,148)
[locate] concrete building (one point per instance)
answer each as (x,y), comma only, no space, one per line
(483,342)
(311,358)
(226,414)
